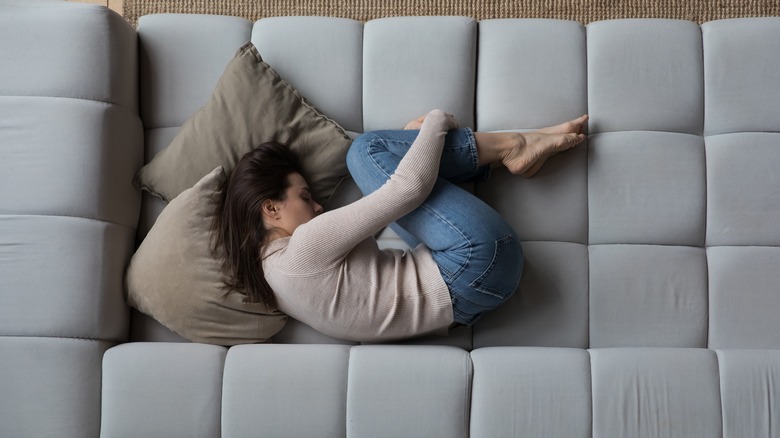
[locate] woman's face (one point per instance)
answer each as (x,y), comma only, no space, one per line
(298,207)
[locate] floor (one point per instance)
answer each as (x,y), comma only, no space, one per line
(115,5)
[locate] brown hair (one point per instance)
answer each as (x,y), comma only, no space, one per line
(238,223)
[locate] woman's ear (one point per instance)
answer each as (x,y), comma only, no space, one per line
(270,209)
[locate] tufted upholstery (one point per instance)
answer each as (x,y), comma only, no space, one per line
(70,143)
(649,299)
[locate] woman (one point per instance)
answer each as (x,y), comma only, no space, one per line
(327,271)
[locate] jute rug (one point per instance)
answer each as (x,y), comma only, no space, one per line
(584,11)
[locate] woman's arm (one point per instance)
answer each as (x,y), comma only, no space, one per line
(417,123)
(330,236)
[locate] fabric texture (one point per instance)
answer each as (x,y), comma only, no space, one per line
(539,392)
(331,275)
(408,391)
(304,388)
(175,279)
(580,10)
(250,105)
(149,386)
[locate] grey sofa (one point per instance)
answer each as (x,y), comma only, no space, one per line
(650,299)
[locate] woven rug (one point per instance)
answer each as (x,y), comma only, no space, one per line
(584,11)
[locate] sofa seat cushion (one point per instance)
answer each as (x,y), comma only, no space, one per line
(396,390)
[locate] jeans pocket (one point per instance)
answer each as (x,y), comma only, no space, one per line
(502,276)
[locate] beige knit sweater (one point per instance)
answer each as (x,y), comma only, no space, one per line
(331,275)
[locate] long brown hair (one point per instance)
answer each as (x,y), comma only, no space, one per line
(238,226)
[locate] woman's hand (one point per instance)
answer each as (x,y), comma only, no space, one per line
(417,123)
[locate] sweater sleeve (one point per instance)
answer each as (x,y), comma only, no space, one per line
(332,235)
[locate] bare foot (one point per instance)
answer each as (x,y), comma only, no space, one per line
(534,148)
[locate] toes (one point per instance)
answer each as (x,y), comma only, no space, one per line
(571,140)
(577,125)
(577,139)
(580,123)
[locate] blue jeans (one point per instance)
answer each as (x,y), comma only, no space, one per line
(477,251)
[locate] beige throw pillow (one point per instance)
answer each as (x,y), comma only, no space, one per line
(174,278)
(250,105)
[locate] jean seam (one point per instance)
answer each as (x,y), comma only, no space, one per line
(484,171)
(463,317)
(454,276)
(370,154)
(473,149)
(476,284)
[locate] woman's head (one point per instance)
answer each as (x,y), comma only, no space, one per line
(295,207)
(265,196)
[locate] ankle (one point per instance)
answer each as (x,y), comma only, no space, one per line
(512,142)
(494,147)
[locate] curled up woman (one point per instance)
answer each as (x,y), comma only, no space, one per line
(326,269)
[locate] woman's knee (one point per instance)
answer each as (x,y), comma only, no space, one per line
(359,151)
(369,162)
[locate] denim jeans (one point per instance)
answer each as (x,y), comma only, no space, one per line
(478,254)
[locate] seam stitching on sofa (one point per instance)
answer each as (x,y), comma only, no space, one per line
(73,338)
(82,99)
(62,216)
